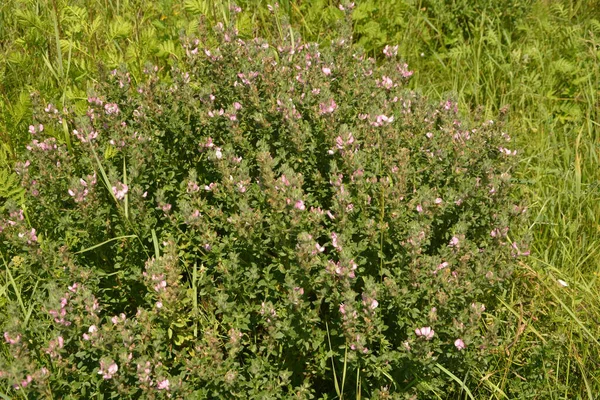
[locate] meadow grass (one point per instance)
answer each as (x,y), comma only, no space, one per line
(544,69)
(549,76)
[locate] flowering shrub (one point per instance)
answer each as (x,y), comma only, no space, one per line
(260,221)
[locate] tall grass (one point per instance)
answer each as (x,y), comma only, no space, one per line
(547,73)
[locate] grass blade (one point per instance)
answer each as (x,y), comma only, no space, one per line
(104,176)
(67,136)
(358,384)
(14,285)
(30,310)
(105,242)
(516,314)
(155,241)
(126,194)
(585,380)
(345,369)
(337,387)
(456,379)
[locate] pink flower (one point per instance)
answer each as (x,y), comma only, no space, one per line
(328,107)
(441,266)
(381,119)
(438,200)
(108,373)
(192,187)
(32,236)
(460,345)
(111,108)
(10,340)
(425,332)
(300,205)
(163,385)
(387,82)
(320,248)
(50,108)
(120,190)
(374,304)
(403,69)
(334,241)
(453,242)
(390,51)
(326,71)
(237,106)
(478,308)
(507,151)
(419,208)
(26,381)
(113,368)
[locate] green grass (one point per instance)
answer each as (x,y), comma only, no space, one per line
(548,74)
(542,65)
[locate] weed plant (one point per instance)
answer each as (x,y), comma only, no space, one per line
(536,59)
(264,219)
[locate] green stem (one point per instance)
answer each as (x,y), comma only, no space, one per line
(382,210)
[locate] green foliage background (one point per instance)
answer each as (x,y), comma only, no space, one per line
(539,60)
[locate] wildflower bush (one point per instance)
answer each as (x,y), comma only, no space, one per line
(263,220)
